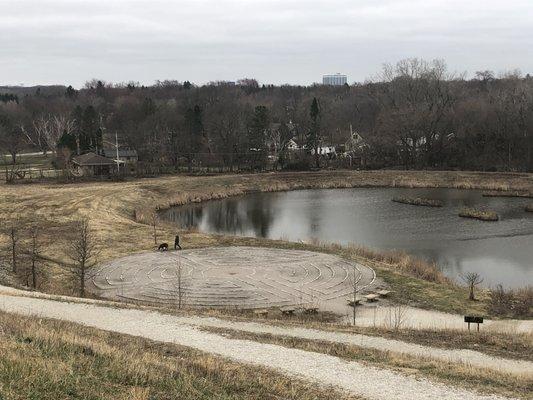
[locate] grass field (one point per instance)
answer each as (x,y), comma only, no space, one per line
(120,214)
(48,359)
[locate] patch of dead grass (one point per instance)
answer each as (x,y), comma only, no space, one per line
(48,359)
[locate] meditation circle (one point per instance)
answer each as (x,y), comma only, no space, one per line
(244,277)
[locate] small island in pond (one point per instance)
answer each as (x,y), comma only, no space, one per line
(483,215)
(515,193)
(417,201)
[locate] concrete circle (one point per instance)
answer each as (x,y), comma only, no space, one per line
(244,277)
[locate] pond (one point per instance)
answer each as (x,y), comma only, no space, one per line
(502,252)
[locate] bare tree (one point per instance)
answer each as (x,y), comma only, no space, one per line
(472,279)
(14,238)
(154,220)
(61,124)
(180,289)
(83,252)
(47,131)
(353,282)
(12,138)
(35,253)
(41,131)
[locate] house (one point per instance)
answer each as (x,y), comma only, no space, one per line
(292,145)
(92,164)
(276,141)
(328,151)
(355,143)
(125,156)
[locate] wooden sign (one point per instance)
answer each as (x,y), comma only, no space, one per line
(471,319)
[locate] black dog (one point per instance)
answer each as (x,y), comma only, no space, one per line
(163,247)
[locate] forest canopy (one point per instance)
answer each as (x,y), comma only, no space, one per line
(415,114)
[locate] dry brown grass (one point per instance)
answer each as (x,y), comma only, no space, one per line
(418,268)
(118,212)
(48,359)
(516,303)
(508,194)
(483,215)
(472,378)
(417,201)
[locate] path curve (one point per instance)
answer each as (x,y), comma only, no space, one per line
(353,377)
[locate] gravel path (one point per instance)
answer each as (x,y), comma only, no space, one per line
(354,377)
(464,356)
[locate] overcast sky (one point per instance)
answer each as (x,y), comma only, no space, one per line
(275,41)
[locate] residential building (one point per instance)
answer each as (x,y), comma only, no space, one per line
(292,145)
(334,80)
(328,151)
(125,156)
(92,164)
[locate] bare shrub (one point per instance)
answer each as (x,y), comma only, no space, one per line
(154,221)
(517,303)
(396,316)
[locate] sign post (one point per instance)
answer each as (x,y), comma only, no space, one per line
(471,319)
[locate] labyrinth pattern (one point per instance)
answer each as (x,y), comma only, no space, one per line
(245,277)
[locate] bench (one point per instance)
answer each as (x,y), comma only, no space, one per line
(261,313)
(311,310)
(353,303)
(287,311)
(372,297)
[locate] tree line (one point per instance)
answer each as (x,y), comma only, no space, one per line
(414,114)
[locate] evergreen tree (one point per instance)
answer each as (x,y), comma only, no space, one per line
(195,131)
(71,93)
(257,137)
(91,133)
(68,141)
(100,89)
(77,116)
(314,137)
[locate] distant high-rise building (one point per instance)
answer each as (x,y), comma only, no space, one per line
(334,80)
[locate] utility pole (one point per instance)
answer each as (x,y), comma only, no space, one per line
(116,148)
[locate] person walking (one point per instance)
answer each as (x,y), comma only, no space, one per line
(177,243)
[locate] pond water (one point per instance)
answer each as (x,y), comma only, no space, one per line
(502,252)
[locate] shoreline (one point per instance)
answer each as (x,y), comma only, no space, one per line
(120,211)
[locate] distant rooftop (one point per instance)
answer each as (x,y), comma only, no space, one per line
(92,159)
(334,79)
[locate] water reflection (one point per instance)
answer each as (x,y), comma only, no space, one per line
(501,251)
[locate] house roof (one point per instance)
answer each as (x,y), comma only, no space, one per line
(112,153)
(92,159)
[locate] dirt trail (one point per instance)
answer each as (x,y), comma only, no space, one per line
(353,377)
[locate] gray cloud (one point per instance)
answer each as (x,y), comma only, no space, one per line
(294,41)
